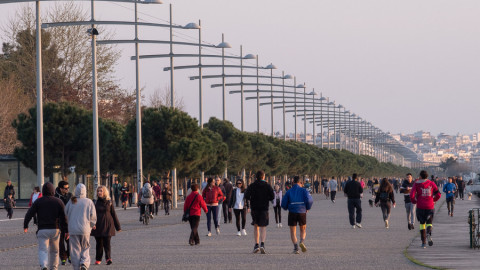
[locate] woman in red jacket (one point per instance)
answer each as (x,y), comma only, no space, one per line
(212,195)
(196,204)
(35,195)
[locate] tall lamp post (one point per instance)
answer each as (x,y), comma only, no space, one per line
(271,67)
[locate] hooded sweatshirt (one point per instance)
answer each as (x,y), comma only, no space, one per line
(81,214)
(146,188)
(424,193)
(49,210)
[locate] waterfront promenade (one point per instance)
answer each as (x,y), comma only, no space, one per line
(331,242)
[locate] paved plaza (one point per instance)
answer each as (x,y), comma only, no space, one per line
(331,242)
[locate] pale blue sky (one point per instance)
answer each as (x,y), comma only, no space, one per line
(403,65)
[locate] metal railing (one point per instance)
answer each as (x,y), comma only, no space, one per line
(474,221)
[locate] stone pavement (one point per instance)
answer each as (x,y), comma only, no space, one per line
(331,242)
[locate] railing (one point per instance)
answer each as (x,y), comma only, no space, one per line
(474,221)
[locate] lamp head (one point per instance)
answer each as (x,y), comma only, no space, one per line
(287,77)
(152,2)
(224,45)
(191,26)
(313,93)
(340,106)
(301,86)
(271,66)
(250,56)
(92,31)
(323,98)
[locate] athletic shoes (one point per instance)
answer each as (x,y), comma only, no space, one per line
(413,227)
(303,247)
(64,262)
(98,262)
(109,261)
(451,214)
(295,249)
(353,226)
(244,232)
(262,248)
(280,225)
(359,225)
(386,224)
(209,234)
(429,239)
(409,226)
(83,267)
(217,230)
(239,233)
(424,245)
(256,248)
(44,268)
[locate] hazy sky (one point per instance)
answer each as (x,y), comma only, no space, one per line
(402,65)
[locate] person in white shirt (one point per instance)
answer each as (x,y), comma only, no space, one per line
(240,206)
(332,187)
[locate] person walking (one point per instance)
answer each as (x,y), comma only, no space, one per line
(9,205)
(240,206)
(107,224)
(36,194)
(449,189)
(316,184)
(62,192)
(125,190)
(277,205)
(425,193)
(218,183)
(409,206)
(196,204)
(461,187)
(227,211)
(157,191)
(82,218)
(166,197)
(212,195)
(297,201)
(259,193)
(9,189)
(51,221)
(117,191)
(385,198)
(332,187)
(354,191)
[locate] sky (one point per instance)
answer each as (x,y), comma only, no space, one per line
(404,65)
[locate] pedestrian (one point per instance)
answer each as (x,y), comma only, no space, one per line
(107,224)
(385,198)
(117,191)
(277,206)
(259,193)
(82,218)
(51,221)
(227,211)
(325,187)
(9,205)
(195,204)
(36,194)
(409,206)
(354,191)
(332,188)
(157,191)
(166,197)
(62,192)
(125,190)
(461,187)
(425,193)
(316,184)
(240,206)
(146,200)
(212,196)
(449,190)
(219,184)
(9,189)
(297,201)
(396,185)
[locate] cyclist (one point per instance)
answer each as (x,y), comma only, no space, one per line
(148,199)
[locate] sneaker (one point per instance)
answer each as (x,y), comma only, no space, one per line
(83,267)
(359,225)
(256,248)
(141,219)
(451,214)
(217,230)
(64,262)
(303,247)
(244,232)
(209,234)
(151,216)
(239,233)
(424,245)
(409,226)
(333,201)
(386,224)
(413,227)
(295,249)
(98,262)
(69,260)
(44,268)
(353,226)
(262,248)
(109,261)
(429,239)
(278,225)
(281,226)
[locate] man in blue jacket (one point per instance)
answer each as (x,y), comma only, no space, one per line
(449,189)
(297,201)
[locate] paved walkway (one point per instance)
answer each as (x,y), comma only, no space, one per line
(331,242)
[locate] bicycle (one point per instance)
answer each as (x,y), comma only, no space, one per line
(146,215)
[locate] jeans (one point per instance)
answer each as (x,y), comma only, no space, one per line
(48,248)
(410,208)
(460,193)
(226,213)
(212,213)
(243,213)
(103,243)
(117,199)
(450,204)
(352,205)
(79,250)
(194,222)
(157,205)
(219,212)
(333,193)
(386,208)
(64,247)
(278,213)
(166,206)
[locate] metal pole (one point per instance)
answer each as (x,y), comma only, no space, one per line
(313,105)
(321,120)
(304,113)
(271,96)
(334,128)
(241,88)
(223,79)
(295,104)
(38,33)
(172,105)
(328,123)
(200,86)
(283,89)
(96,154)
(138,108)
(258,102)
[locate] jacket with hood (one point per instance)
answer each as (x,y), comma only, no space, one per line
(80,212)
(449,189)
(65,198)
(49,210)
(146,188)
(424,193)
(297,200)
(107,221)
(212,195)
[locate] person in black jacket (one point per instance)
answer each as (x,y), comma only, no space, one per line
(385,198)
(240,206)
(9,189)
(228,194)
(354,191)
(259,193)
(50,212)
(64,195)
(107,224)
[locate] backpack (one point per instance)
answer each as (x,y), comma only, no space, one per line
(147,193)
(384,196)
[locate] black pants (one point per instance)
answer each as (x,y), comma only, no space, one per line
(278,213)
(142,208)
(460,193)
(103,243)
(166,204)
(157,205)
(64,247)
(425,218)
(386,208)
(243,213)
(117,199)
(194,222)
(333,193)
(9,212)
(352,205)
(450,204)
(316,189)
(226,213)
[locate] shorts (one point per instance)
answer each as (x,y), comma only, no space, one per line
(260,218)
(294,218)
(425,215)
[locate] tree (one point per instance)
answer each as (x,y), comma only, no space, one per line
(162,97)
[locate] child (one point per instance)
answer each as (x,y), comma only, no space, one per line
(9,205)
